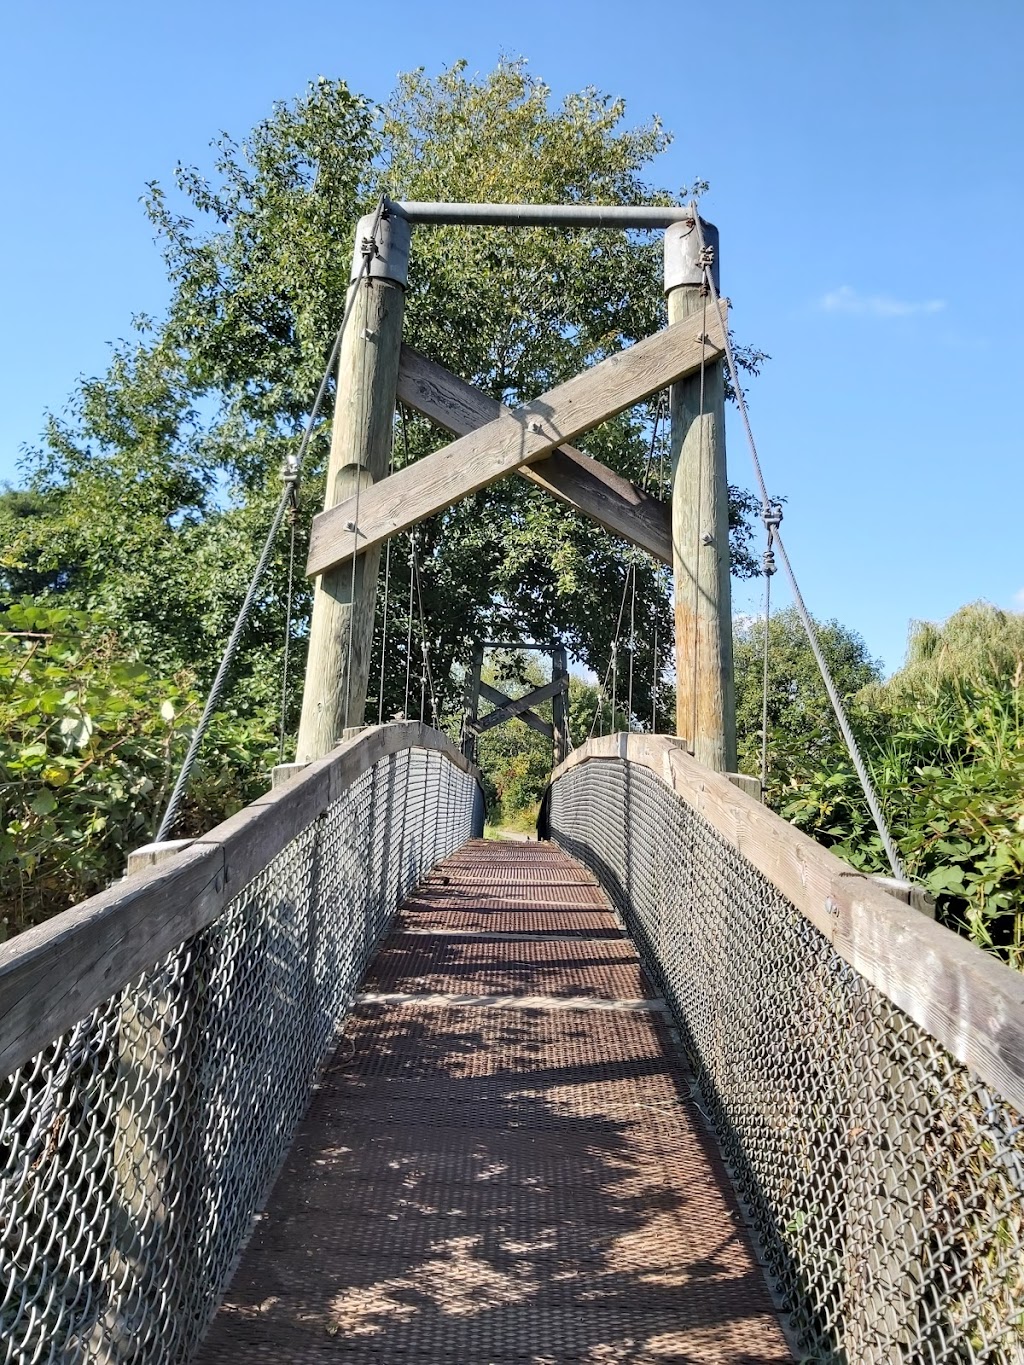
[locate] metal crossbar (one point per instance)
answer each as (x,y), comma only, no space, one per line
(137,1147)
(885,1179)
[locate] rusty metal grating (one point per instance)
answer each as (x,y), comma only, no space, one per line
(604,967)
(491,1186)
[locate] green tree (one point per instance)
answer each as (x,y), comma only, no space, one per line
(160,481)
(802,731)
(944,741)
(23,575)
(979,641)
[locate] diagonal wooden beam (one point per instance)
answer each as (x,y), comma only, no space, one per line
(530,718)
(535,722)
(579,481)
(492,694)
(511,709)
(511,440)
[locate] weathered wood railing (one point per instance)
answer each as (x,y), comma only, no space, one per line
(158,1044)
(862,1065)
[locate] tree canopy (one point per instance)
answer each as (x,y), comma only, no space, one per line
(147,498)
(150,495)
(802,731)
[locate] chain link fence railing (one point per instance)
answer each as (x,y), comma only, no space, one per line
(137,1147)
(884,1179)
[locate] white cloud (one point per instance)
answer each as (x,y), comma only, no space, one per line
(1018,598)
(846,299)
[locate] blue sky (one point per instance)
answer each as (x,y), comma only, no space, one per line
(866,176)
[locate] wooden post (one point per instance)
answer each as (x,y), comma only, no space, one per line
(472,708)
(705,703)
(560,705)
(341,629)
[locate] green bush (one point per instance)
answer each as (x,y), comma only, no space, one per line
(90,742)
(944,740)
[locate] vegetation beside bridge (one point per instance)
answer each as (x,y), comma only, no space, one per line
(128,549)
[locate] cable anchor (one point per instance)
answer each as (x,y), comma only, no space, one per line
(290,479)
(706,259)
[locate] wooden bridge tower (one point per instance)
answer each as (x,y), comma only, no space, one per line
(519,708)
(363,507)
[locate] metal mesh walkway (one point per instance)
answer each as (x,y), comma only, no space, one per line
(502,1162)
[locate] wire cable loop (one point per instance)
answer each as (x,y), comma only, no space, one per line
(632,557)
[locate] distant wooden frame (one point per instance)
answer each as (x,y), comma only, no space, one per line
(496,698)
(520,707)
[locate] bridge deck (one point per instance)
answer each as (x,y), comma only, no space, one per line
(502,1163)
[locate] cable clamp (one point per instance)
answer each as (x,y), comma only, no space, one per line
(290,479)
(771,515)
(706,259)
(768,563)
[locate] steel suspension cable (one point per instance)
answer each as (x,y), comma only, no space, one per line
(408,641)
(701,440)
(805,617)
(632,652)
(384,630)
(387,601)
(180,786)
(426,676)
(293,517)
(609,672)
(612,669)
(655,658)
(292,469)
(768,569)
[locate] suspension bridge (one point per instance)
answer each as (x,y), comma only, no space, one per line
(341,1080)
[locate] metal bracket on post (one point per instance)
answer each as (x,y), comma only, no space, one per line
(683,263)
(388,252)
(748,784)
(910,893)
(284,772)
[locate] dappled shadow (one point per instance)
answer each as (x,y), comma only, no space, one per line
(501,1185)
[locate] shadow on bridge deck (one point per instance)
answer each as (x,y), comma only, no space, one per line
(502,1162)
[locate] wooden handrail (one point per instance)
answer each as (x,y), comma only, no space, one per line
(53,975)
(966,999)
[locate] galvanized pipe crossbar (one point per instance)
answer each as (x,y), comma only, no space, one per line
(644,216)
